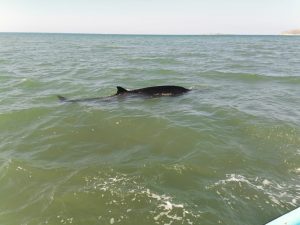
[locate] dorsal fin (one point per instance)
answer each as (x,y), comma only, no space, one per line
(121,90)
(61,98)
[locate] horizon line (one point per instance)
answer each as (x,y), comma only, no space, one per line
(139,34)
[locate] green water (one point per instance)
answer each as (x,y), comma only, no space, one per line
(228,152)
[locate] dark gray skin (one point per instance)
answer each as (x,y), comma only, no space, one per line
(155,91)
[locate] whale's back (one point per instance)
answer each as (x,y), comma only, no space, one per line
(161,90)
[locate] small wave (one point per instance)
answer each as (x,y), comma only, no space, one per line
(164,72)
(156,60)
(139,73)
(250,77)
(236,188)
(107,47)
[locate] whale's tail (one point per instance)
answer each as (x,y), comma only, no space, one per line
(61,98)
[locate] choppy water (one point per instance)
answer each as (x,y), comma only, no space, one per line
(226,153)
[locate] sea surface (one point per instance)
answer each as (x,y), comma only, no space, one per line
(228,152)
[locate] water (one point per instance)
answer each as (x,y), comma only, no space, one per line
(226,153)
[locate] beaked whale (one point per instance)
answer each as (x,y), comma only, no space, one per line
(154,91)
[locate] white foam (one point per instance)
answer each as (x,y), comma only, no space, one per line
(274,193)
(165,210)
(266,182)
(112,220)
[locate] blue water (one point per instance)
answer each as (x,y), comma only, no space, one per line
(228,152)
